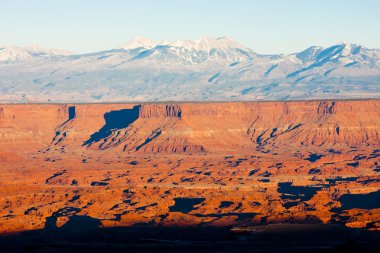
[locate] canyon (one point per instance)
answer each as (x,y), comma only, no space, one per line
(185,164)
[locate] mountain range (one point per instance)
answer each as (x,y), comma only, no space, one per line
(209,69)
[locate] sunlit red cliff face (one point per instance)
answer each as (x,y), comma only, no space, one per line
(190,164)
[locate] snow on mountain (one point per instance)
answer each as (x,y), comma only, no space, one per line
(14,54)
(207,48)
(346,58)
(208,44)
(138,42)
(205,69)
(309,54)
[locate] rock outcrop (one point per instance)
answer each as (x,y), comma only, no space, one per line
(228,163)
(240,127)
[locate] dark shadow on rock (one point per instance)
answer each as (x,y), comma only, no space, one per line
(115,120)
(185,205)
(81,224)
(49,179)
(149,139)
(51,222)
(295,195)
(72,113)
(269,238)
(365,201)
(314,157)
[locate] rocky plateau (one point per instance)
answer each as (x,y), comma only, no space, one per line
(209,164)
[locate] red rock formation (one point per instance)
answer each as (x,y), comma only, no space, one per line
(125,163)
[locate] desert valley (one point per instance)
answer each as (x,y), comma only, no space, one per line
(189,126)
(233,164)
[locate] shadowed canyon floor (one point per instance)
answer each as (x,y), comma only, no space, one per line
(189,164)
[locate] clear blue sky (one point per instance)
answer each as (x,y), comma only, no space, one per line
(266,26)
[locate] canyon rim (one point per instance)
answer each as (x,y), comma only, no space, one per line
(229,126)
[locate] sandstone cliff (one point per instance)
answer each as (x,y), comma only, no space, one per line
(184,164)
(192,127)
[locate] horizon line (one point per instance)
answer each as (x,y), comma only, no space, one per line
(73,52)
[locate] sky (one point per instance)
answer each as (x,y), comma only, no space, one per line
(265,26)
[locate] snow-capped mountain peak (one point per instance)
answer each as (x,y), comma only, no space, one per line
(309,53)
(350,48)
(205,69)
(15,54)
(207,43)
(139,42)
(224,50)
(37,49)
